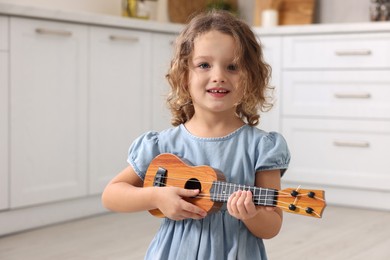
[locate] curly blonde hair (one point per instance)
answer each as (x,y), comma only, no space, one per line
(255,73)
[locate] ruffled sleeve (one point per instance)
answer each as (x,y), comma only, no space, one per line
(273,153)
(142,151)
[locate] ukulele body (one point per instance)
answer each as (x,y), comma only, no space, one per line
(182,175)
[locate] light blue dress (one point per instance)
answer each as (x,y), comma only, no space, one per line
(239,156)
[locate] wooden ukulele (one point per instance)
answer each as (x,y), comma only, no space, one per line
(169,170)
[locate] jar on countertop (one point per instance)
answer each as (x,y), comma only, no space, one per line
(142,9)
(380,10)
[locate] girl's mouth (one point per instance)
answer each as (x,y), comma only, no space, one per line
(218,92)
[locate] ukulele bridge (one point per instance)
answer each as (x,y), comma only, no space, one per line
(160,177)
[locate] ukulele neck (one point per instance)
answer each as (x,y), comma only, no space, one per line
(221,191)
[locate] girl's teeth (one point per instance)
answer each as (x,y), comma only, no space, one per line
(217,91)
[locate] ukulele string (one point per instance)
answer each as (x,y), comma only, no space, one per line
(280,194)
(225,197)
(296,198)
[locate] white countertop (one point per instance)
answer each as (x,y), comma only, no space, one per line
(338,28)
(138,24)
(87,18)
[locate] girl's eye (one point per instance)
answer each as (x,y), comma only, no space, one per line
(232,67)
(204,65)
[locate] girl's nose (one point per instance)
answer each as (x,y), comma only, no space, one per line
(218,75)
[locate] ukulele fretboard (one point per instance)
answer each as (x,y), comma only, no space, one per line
(221,191)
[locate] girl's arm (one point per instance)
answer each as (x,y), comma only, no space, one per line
(263,222)
(124,193)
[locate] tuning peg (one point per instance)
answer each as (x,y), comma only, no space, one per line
(294,193)
(309,210)
(292,207)
(311,194)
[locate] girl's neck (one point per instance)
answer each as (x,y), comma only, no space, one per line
(213,126)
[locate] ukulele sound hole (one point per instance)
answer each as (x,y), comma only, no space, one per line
(193,184)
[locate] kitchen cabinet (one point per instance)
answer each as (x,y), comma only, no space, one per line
(4,90)
(75,92)
(127,95)
(162,52)
(270,120)
(48,111)
(335,115)
(120,99)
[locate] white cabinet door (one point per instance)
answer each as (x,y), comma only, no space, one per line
(48,111)
(119,100)
(162,52)
(4,87)
(270,121)
(344,153)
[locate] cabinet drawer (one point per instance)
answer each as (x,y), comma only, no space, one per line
(339,153)
(354,94)
(3,33)
(337,51)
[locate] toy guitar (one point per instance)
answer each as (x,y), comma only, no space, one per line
(169,170)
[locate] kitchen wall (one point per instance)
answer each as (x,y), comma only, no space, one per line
(327,11)
(336,11)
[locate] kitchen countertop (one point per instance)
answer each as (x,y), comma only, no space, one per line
(138,24)
(339,28)
(87,18)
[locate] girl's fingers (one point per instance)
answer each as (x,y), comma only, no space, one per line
(249,205)
(192,211)
(232,201)
(241,203)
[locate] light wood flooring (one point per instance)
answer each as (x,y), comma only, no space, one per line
(342,233)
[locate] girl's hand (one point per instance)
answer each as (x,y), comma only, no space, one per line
(173,206)
(240,205)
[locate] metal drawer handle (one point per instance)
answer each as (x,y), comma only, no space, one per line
(358,144)
(353,95)
(123,38)
(353,52)
(53,32)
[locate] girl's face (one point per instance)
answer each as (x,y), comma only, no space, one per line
(213,76)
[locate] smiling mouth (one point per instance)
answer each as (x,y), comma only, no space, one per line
(218,91)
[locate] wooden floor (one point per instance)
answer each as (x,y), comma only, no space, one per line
(342,233)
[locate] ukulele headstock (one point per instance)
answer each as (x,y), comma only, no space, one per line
(302,201)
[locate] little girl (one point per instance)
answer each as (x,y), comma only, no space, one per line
(218,82)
